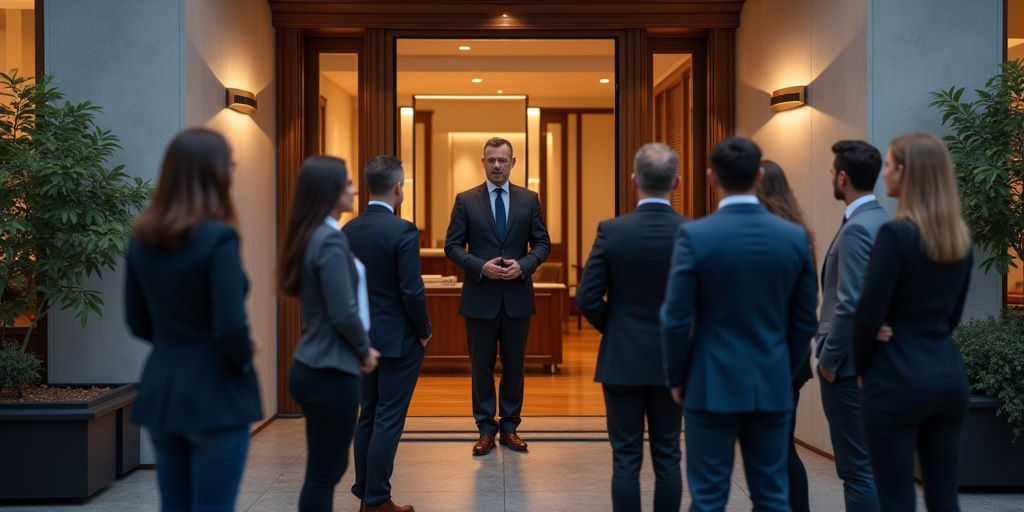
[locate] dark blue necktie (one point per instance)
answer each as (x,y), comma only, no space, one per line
(499,213)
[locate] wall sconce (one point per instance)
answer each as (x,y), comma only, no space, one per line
(788,98)
(241,100)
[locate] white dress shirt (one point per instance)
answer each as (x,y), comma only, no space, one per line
(738,199)
(857,202)
(504,197)
(389,207)
(656,200)
(362,292)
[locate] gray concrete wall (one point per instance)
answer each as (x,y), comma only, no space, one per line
(919,46)
(822,45)
(127,57)
(230,43)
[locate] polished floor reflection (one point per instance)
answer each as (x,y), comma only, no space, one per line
(570,392)
(568,468)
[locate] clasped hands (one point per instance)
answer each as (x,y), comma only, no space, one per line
(501,268)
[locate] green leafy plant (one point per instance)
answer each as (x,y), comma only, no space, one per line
(65,212)
(993,351)
(17,369)
(987,145)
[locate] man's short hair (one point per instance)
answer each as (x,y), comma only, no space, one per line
(497,142)
(656,166)
(861,161)
(382,173)
(735,162)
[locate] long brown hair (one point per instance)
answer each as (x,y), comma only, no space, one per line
(194,187)
(321,181)
(775,194)
(928,195)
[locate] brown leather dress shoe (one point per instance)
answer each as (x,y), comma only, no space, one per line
(513,441)
(388,506)
(484,445)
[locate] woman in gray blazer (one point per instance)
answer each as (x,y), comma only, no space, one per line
(317,266)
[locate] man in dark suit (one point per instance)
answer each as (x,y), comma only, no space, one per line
(497,235)
(738,313)
(399,329)
(854,172)
(629,263)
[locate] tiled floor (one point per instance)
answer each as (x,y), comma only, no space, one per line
(568,468)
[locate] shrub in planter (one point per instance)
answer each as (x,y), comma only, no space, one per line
(17,370)
(993,351)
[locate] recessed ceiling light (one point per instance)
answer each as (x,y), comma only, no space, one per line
(477,80)
(604,80)
(465,48)
(501,91)
(504,15)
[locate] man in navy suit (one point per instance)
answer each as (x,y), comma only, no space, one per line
(629,263)
(399,329)
(739,311)
(497,236)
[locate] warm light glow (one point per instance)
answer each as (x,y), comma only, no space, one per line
(477,80)
(407,111)
(533,111)
(465,48)
(504,15)
(788,98)
(604,80)
(240,100)
(469,97)
(501,91)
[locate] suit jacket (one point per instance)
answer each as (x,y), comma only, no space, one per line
(629,262)
(743,281)
(332,334)
(843,271)
(920,299)
(190,303)
(389,247)
(472,240)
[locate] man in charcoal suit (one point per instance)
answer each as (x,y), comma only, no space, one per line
(399,329)
(738,312)
(629,262)
(854,172)
(497,236)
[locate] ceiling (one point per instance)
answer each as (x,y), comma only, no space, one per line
(548,70)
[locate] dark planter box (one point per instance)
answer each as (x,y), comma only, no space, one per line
(67,449)
(988,458)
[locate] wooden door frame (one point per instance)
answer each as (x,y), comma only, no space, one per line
(306,27)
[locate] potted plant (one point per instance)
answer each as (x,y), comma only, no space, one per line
(65,215)
(987,146)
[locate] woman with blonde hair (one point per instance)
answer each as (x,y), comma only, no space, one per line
(776,196)
(914,384)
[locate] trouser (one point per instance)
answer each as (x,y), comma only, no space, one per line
(487,338)
(330,401)
(200,471)
(627,407)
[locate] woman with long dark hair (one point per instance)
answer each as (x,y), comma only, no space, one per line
(776,196)
(317,265)
(185,292)
(914,383)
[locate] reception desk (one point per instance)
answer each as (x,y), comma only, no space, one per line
(448,347)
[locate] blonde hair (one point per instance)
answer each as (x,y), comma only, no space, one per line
(928,195)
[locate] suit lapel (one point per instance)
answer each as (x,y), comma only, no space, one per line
(485,208)
(513,210)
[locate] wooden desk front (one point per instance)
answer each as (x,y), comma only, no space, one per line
(449,348)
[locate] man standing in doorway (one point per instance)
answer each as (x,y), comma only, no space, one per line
(497,236)
(399,329)
(629,263)
(854,172)
(742,280)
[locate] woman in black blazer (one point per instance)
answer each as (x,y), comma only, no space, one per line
(915,386)
(185,293)
(334,351)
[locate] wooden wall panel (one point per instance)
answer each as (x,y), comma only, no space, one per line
(290,152)
(721,93)
(635,129)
